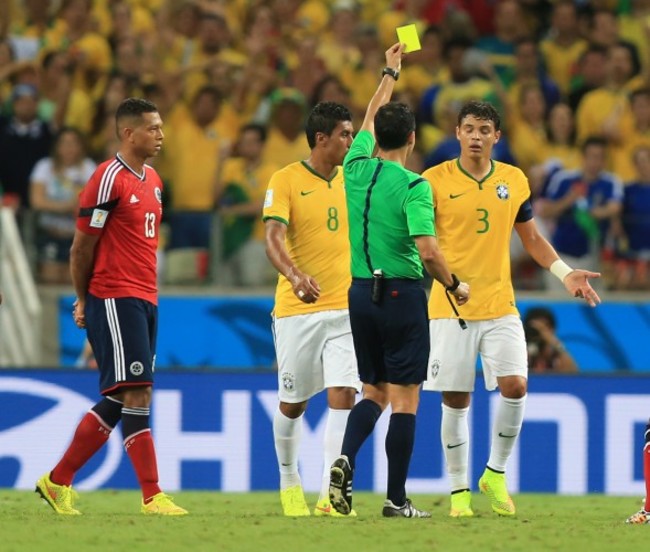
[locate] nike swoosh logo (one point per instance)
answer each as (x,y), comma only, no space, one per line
(307,193)
(507,436)
(454,196)
(455,446)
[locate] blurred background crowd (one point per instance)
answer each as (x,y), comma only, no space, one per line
(234,80)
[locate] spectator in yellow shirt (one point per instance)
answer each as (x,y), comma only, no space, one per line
(286,142)
(240,189)
(527,131)
(563,46)
(90,51)
(639,136)
(605,111)
(60,104)
(426,67)
(195,141)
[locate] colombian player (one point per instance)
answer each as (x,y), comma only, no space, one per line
(113,266)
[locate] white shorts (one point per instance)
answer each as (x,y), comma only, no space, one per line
(454,351)
(315,352)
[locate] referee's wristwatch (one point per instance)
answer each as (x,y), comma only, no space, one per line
(455,282)
(391,72)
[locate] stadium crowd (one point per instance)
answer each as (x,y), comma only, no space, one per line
(234,80)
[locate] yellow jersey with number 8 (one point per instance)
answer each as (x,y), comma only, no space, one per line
(314,210)
(474,222)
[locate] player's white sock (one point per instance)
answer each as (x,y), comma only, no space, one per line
(334,431)
(505,431)
(455,442)
(286,435)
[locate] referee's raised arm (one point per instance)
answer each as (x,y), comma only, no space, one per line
(382,95)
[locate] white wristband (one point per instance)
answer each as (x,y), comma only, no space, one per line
(560,269)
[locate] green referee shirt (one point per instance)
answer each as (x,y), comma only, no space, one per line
(387,206)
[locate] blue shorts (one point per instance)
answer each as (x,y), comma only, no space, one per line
(391,340)
(190,229)
(122,333)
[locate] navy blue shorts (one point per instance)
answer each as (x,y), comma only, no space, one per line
(391,340)
(190,229)
(122,333)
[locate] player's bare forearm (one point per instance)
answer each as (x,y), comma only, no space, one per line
(276,250)
(609,210)
(82,256)
(536,245)
(433,260)
(304,286)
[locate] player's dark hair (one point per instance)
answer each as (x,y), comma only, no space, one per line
(598,141)
(536,313)
(323,118)
(483,111)
(134,107)
(639,93)
(255,127)
(394,123)
(456,43)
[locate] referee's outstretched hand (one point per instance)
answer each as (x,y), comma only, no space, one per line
(304,286)
(394,56)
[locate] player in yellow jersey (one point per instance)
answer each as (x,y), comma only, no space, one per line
(477,202)
(307,242)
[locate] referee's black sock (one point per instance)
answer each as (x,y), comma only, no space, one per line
(399,447)
(361,422)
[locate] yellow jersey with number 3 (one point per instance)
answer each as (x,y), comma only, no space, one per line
(474,221)
(314,210)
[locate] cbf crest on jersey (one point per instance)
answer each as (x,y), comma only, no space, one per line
(158,194)
(502,191)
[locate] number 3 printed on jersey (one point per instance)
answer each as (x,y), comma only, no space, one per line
(150,225)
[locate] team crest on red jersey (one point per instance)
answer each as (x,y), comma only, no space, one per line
(158,194)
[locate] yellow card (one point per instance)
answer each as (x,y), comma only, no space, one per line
(408,35)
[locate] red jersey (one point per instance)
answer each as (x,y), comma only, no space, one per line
(124,209)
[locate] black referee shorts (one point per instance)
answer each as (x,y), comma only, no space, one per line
(391,340)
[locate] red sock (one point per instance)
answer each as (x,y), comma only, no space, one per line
(646,475)
(142,453)
(89,437)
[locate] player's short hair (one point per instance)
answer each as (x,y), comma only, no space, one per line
(536,313)
(134,107)
(483,111)
(255,127)
(394,123)
(597,141)
(639,93)
(323,118)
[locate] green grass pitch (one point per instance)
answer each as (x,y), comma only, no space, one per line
(253,522)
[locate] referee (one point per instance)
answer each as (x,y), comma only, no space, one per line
(390,212)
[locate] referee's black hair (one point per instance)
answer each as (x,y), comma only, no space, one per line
(134,107)
(394,123)
(483,111)
(323,118)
